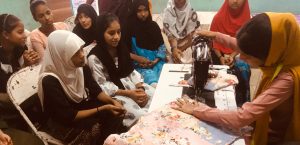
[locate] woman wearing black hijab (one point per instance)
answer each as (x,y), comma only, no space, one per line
(86,23)
(147,45)
(113,70)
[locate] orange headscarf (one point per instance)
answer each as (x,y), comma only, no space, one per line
(283,55)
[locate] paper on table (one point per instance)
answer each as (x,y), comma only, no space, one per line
(219,67)
(225,98)
(179,85)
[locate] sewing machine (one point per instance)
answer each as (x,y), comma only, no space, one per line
(201,61)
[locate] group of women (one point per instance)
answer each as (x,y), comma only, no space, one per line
(88,96)
(84,103)
(180,23)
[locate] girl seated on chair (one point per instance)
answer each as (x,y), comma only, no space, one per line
(147,45)
(113,69)
(13,51)
(13,56)
(79,111)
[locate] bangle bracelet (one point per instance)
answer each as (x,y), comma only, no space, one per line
(97,110)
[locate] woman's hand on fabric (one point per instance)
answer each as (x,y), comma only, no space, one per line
(140,86)
(115,110)
(186,106)
(120,105)
(206,33)
(30,57)
(176,55)
(139,96)
(103,97)
(5,139)
(117,103)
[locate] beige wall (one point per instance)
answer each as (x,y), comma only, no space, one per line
(20,8)
(61,9)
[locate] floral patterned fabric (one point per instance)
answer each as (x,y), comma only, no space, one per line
(166,126)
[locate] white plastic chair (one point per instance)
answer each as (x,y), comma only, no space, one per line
(70,22)
(28,41)
(20,87)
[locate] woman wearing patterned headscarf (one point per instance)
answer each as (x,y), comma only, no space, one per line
(180,20)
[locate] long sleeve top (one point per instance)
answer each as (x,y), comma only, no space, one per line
(57,104)
(39,39)
(100,74)
(280,90)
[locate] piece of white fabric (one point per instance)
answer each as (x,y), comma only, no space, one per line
(222,80)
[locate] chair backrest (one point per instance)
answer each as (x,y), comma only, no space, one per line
(21,86)
(70,22)
(28,41)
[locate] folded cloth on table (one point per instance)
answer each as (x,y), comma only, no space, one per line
(221,80)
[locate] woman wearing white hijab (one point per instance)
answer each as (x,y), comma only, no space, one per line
(180,20)
(79,112)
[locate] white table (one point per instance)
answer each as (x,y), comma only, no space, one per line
(166,92)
